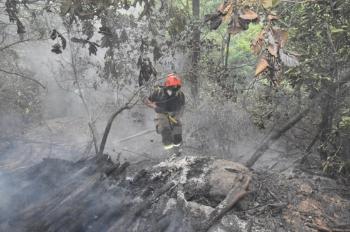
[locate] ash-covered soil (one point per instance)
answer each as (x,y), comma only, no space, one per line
(187,193)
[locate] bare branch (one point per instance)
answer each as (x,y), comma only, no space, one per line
(24,77)
(128,105)
(13,44)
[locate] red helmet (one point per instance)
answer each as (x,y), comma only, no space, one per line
(172,80)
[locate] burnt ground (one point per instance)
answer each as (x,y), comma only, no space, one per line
(175,195)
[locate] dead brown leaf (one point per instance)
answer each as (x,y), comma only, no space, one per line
(224,8)
(228,15)
(261,66)
(272,17)
(273,49)
(258,43)
(248,14)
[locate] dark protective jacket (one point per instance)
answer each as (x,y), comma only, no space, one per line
(166,103)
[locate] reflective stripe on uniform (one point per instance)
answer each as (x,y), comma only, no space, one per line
(172,119)
(167,147)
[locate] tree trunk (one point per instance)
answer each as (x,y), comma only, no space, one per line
(196,47)
(328,106)
(327,115)
(227,50)
(108,128)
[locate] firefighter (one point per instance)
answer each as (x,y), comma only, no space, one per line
(168,102)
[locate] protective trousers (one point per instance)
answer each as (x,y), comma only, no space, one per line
(170,129)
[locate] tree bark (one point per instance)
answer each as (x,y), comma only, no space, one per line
(196,47)
(329,100)
(327,115)
(227,49)
(108,128)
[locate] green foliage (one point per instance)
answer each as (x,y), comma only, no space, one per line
(239,50)
(344,123)
(240,47)
(320,35)
(270,3)
(208,6)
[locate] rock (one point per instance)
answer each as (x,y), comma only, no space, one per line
(223,175)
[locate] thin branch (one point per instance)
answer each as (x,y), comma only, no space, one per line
(91,123)
(227,50)
(128,105)
(24,77)
(14,43)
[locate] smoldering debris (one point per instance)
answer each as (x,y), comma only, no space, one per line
(180,194)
